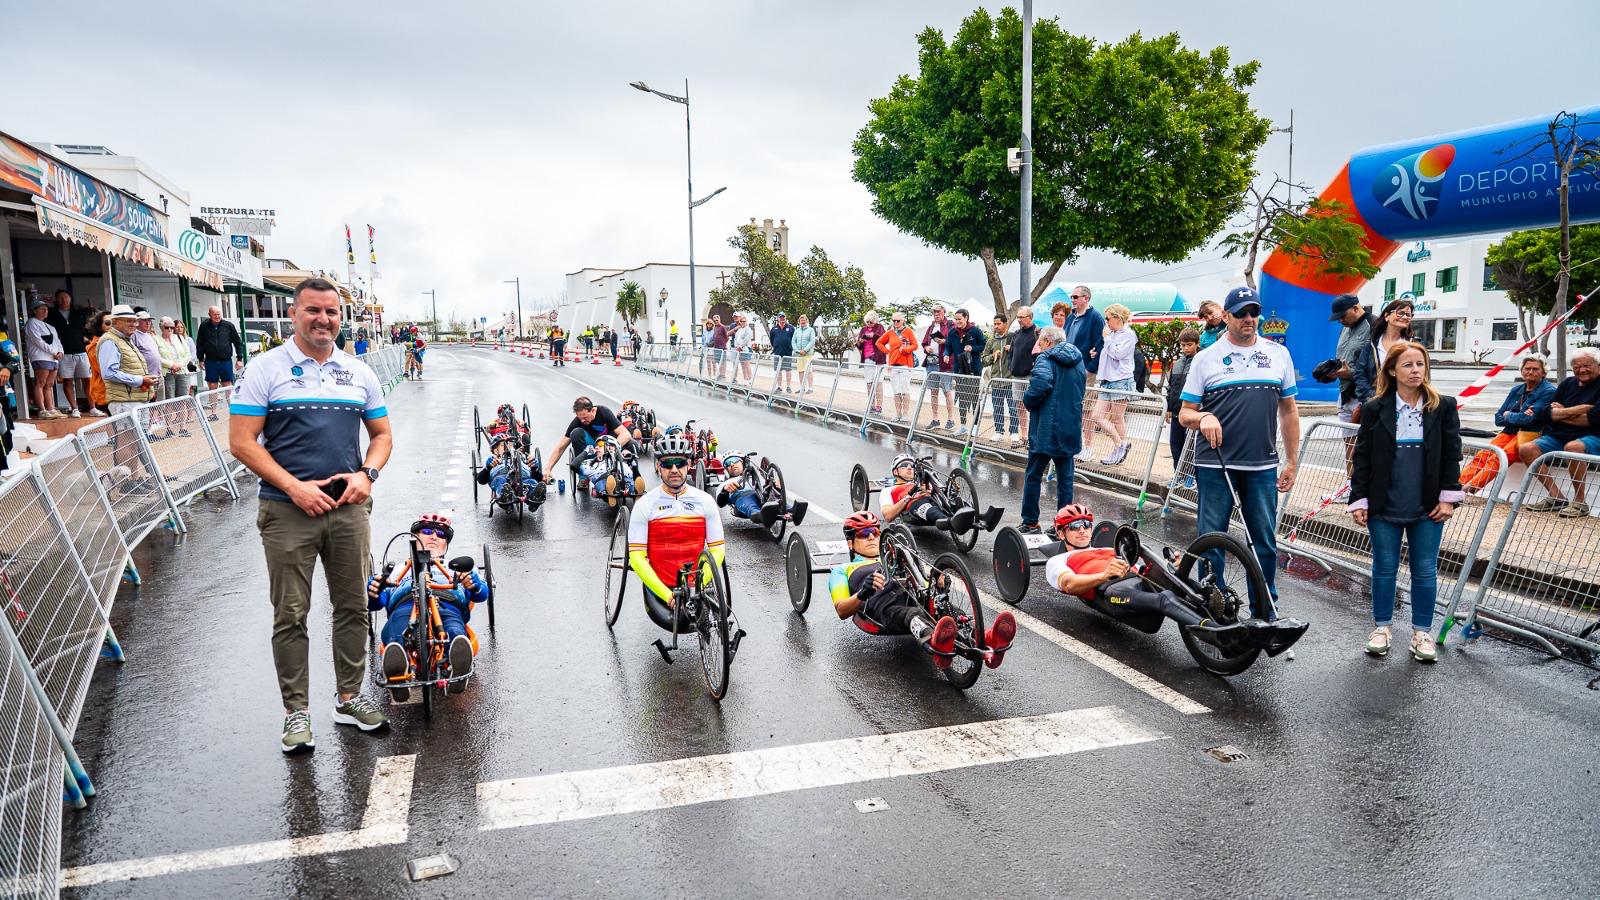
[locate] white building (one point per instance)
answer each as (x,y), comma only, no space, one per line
(591,296)
(1460,310)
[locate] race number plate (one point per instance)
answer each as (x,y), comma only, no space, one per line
(1035,541)
(830,547)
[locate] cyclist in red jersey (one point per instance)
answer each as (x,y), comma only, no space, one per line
(672,523)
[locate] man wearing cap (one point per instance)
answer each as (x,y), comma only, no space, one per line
(130,383)
(296,420)
(1356,375)
(1240,392)
(782,337)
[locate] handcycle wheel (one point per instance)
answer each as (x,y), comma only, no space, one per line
(475,476)
(1230,597)
(1012,565)
(961,491)
(959,600)
(516,482)
(716,643)
(421,647)
(797,572)
(700,474)
(859,487)
(477,430)
(616,568)
(776,492)
(527,423)
(902,533)
(487,568)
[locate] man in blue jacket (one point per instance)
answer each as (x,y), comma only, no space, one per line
(1055,397)
(782,336)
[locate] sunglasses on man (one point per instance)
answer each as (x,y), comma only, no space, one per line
(1079,525)
(673,462)
(868,532)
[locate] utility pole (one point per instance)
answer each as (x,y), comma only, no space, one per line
(1025,248)
(435,296)
(518,282)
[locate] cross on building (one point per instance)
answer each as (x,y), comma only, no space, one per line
(722,278)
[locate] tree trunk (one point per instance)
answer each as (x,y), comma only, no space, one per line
(992,272)
(1044,280)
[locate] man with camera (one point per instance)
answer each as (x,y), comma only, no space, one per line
(296,420)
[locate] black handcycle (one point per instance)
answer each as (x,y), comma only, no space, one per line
(943,587)
(955,493)
(701,602)
(763,476)
(1211,608)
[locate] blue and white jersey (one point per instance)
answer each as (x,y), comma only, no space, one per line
(1241,386)
(314,412)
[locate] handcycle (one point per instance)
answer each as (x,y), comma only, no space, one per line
(1212,613)
(705,467)
(426,645)
(943,587)
(481,435)
(640,420)
(525,495)
(956,493)
(701,602)
(622,479)
(766,479)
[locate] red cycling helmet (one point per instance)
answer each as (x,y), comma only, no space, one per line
(437,521)
(858,521)
(1072,512)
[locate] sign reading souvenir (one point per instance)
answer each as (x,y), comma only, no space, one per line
(26,169)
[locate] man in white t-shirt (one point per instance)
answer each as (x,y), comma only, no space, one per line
(1240,392)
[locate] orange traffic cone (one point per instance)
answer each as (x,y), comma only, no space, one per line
(616,361)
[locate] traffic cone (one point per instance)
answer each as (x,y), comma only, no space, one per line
(595,360)
(616,361)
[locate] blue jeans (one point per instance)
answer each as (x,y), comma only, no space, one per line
(1423,538)
(502,474)
(745,505)
(394,627)
(1258,492)
(1033,479)
(1000,394)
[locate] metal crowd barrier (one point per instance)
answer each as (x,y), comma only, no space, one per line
(1542,580)
(72,517)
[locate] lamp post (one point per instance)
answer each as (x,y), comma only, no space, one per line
(1025,243)
(518,282)
(662,305)
(689,167)
(435,296)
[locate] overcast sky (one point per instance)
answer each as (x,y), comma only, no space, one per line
(491,140)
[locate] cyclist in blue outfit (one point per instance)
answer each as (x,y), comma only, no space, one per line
(457,593)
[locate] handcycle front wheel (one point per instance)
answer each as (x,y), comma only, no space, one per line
(616,568)
(477,430)
(716,641)
(1227,596)
(961,492)
(778,493)
(422,649)
(475,475)
(859,488)
(957,597)
(487,568)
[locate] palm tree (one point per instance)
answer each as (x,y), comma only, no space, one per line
(630,302)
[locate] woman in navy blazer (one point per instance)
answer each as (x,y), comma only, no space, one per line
(1405,483)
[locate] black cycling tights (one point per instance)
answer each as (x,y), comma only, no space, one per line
(896,612)
(926,512)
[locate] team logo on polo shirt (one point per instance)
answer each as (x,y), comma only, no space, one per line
(343,377)
(1261,360)
(297,371)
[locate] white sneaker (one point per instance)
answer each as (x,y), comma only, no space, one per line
(1016,440)
(962,431)
(96,412)
(1378,643)
(74,414)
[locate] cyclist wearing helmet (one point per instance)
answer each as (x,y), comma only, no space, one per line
(907,499)
(734,492)
(589,424)
(857,586)
(415,347)
(456,594)
(1098,575)
(505,433)
(671,524)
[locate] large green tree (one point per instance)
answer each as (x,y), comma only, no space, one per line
(767,283)
(1527,266)
(1142,147)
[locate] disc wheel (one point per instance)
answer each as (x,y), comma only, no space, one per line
(962,493)
(797,572)
(955,595)
(776,492)
(716,641)
(475,467)
(859,487)
(699,475)
(487,569)
(1012,565)
(1227,597)
(616,581)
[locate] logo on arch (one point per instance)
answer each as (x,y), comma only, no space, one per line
(1412,186)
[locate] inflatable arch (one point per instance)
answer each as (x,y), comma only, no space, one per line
(1498,178)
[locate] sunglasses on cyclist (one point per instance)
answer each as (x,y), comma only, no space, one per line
(430,531)
(1079,525)
(673,462)
(869,531)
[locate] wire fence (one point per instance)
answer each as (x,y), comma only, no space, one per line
(72,516)
(1506,560)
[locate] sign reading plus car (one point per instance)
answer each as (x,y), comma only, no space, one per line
(219,255)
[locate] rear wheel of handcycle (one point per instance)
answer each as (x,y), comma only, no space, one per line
(716,642)
(616,581)
(958,598)
(859,485)
(477,430)
(517,489)
(961,492)
(486,568)
(776,492)
(1227,598)
(797,572)
(474,476)
(1012,565)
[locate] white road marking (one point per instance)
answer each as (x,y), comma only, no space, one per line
(1119,670)
(819,512)
(385,822)
(568,796)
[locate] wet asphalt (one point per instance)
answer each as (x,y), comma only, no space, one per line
(1476,777)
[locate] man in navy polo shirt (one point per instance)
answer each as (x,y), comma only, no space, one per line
(1239,393)
(296,421)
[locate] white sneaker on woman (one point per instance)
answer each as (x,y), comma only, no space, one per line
(1422,646)
(1378,644)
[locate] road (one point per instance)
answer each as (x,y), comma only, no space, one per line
(839,764)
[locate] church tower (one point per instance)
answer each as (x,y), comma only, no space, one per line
(777,236)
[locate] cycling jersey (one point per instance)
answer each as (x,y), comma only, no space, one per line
(1088,561)
(847,579)
(667,531)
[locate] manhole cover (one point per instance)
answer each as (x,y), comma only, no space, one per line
(871,805)
(1227,753)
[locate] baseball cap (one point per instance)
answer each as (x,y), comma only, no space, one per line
(1241,298)
(36,304)
(142,315)
(1343,304)
(123,311)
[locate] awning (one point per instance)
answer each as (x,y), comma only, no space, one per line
(70,226)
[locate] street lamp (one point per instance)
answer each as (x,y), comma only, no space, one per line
(1025,242)
(518,282)
(435,296)
(662,305)
(689,167)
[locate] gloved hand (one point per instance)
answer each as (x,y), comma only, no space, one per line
(374,589)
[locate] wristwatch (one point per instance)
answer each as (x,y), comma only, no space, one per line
(370,472)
